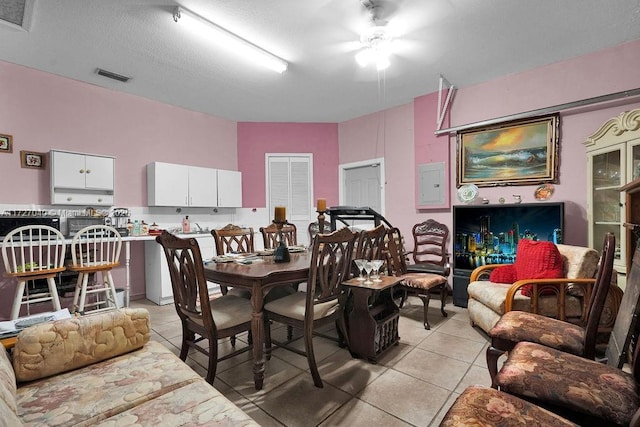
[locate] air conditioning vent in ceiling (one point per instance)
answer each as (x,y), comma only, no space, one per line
(113,75)
(16,13)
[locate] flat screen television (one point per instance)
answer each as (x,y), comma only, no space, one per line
(489,234)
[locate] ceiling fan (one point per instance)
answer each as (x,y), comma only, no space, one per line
(376,39)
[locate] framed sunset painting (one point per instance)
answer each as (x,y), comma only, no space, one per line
(518,152)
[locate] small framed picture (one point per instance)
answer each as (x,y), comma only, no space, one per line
(6,143)
(32,160)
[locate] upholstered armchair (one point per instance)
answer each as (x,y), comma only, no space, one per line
(488,300)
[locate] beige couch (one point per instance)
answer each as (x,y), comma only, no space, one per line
(102,370)
(487,299)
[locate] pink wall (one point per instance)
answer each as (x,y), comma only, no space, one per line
(43,111)
(257,139)
(609,71)
(605,72)
(387,134)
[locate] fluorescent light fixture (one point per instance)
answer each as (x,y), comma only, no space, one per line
(230,40)
(377,48)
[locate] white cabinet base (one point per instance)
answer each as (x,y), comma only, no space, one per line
(158,281)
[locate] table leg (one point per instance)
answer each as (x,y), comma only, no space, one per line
(257,331)
(127,264)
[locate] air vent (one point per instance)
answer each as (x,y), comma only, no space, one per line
(16,13)
(112,75)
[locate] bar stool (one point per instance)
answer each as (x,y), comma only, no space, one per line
(30,253)
(95,250)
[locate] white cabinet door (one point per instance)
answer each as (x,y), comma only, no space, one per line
(68,170)
(229,189)
(203,187)
(167,184)
(99,173)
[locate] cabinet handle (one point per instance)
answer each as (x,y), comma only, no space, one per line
(88,170)
(99,200)
(81,170)
(69,199)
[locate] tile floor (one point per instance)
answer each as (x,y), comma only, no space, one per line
(412,385)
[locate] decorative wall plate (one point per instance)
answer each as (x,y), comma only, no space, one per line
(544,192)
(467,193)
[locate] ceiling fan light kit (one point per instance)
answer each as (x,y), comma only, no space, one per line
(376,43)
(230,40)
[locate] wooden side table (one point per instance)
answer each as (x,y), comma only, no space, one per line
(372,328)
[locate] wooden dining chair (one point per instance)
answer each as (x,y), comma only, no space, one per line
(370,244)
(270,235)
(330,266)
(430,248)
(579,339)
(95,251)
(233,239)
(29,253)
(314,229)
(413,283)
(202,318)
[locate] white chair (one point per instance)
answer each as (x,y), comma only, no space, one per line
(29,253)
(95,250)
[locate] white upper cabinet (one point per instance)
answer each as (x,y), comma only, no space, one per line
(203,187)
(181,185)
(229,189)
(167,184)
(80,179)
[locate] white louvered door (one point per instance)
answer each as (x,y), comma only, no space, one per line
(290,184)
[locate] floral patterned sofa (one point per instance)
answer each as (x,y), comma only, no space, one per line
(488,300)
(102,370)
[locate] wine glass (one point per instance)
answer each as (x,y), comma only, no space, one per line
(368,266)
(360,265)
(377,263)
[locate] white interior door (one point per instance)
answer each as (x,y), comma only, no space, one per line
(362,185)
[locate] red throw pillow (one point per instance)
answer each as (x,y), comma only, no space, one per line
(503,274)
(537,260)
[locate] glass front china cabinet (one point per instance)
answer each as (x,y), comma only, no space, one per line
(613,160)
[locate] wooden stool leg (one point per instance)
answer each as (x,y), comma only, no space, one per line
(17,301)
(53,291)
(76,293)
(112,288)
(83,291)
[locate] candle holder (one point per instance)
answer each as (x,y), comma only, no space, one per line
(321,221)
(281,252)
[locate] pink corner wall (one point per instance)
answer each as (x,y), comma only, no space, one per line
(257,139)
(601,73)
(388,134)
(605,72)
(44,111)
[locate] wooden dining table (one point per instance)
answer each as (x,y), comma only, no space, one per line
(259,277)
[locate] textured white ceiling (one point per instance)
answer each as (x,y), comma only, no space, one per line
(467,41)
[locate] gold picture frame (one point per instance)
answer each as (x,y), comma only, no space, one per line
(518,152)
(32,160)
(6,143)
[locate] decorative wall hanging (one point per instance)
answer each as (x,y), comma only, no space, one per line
(518,152)
(6,143)
(32,160)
